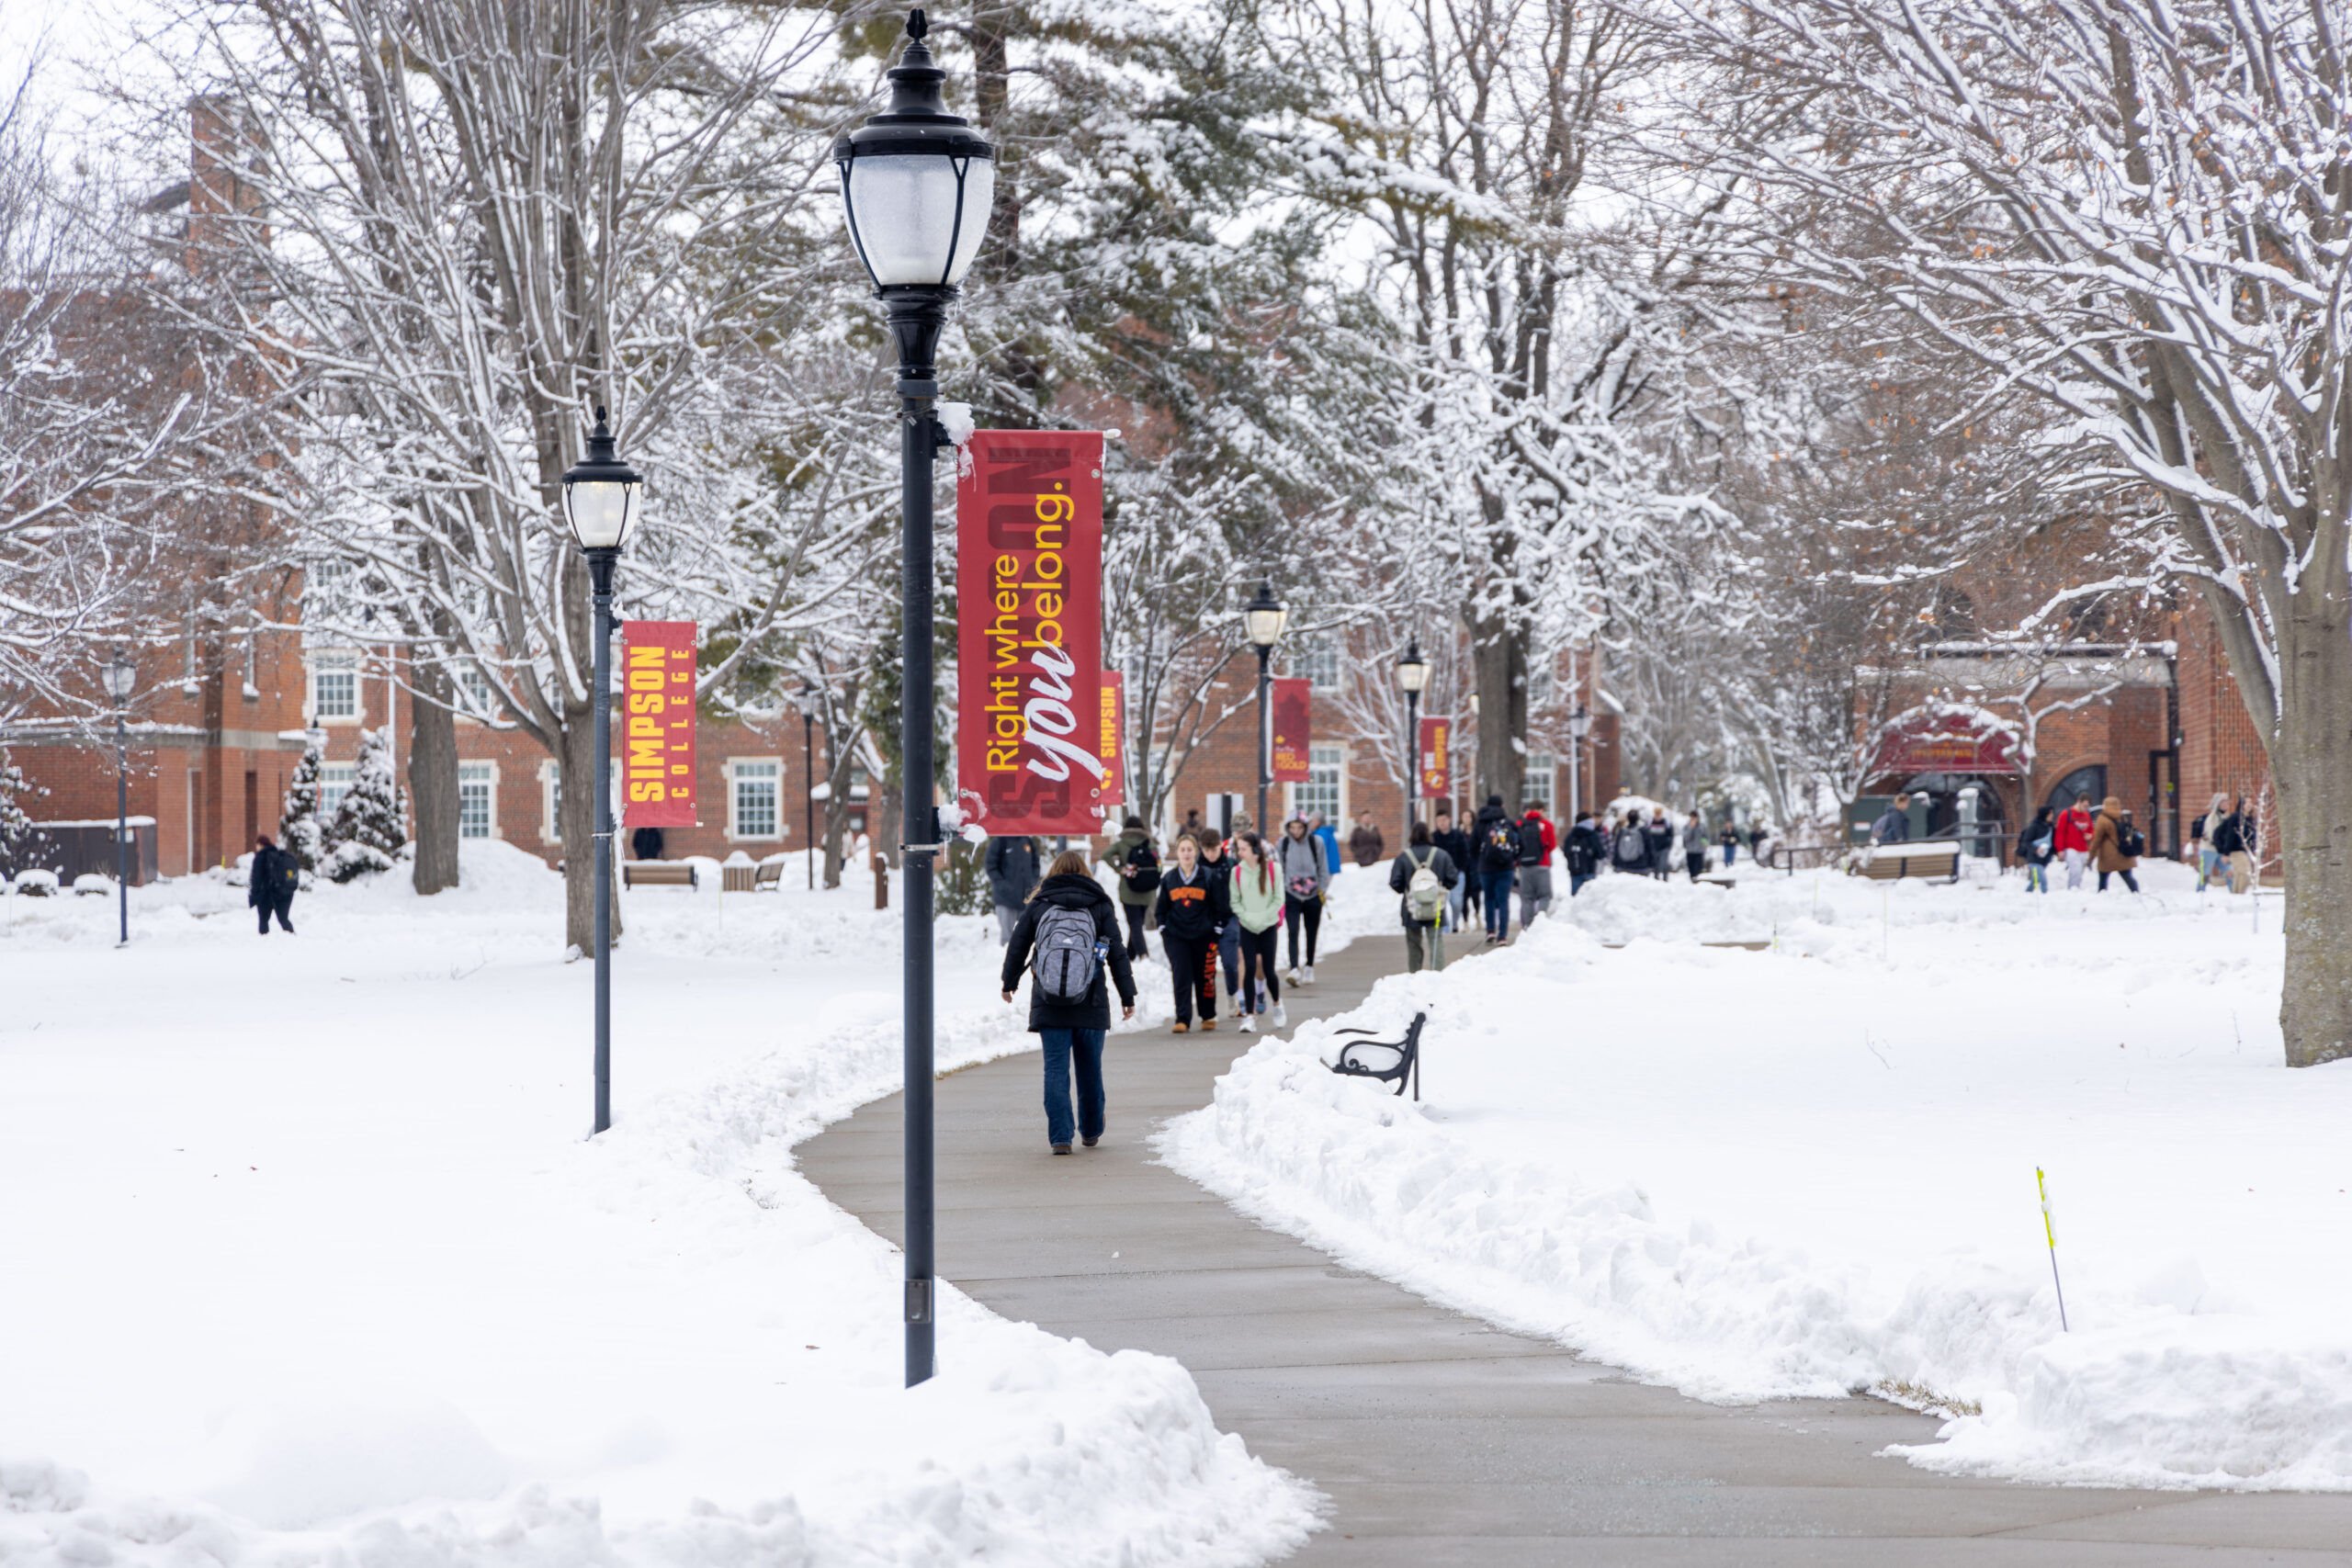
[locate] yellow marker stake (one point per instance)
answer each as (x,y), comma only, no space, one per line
(2041,1185)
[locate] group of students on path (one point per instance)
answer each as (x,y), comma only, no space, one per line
(2108,843)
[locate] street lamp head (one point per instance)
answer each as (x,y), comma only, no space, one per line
(1264,616)
(1580,723)
(600,492)
(917,181)
(120,675)
(1412,670)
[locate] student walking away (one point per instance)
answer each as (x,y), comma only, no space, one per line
(1893,824)
(1662,837)
(1067,939)
(1014,867)
(2036,844)
(1758,837)
(1298,865)
(1497,867)
(1456,845)
(1730,842)
(1694,846)
(1630,850)
(1364,841)
(1191,910)
(271,883)
(2233,846)
(2074,840)
(646,843)
(1257,896)
(2200,838)
(1217,855)
(1421,878)
(1135,862)
(1584,850)
(1537,839)
(2109,850)
(1319,828)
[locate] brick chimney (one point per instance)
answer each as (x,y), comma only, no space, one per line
(223,143)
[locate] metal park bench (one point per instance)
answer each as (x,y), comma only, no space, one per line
(769,875)
(1403,1059)
(658,874)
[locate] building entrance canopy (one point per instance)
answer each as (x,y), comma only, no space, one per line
(1948,743)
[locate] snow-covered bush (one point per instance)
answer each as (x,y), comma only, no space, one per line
(36,883)
(371,824)
(299,830)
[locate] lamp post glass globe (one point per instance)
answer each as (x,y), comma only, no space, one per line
(1412,670)
(121,674)
(917,181)
(1579,723)
(1264,616)
(600,492)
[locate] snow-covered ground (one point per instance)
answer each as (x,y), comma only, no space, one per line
(306,1256)
(1810,1168)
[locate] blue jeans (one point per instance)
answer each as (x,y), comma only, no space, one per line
(1576,884)
(1494,888)
(2037,878)
(1731,853)
(1064,1049)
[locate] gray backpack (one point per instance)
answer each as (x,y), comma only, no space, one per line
(1065,962)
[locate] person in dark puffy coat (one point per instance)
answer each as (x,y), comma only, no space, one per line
(1072,1033)
(271,882)
(1194,906)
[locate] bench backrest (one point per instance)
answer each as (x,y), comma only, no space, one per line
(658,874)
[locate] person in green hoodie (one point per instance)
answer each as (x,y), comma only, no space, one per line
(1135,861)
(1258,910)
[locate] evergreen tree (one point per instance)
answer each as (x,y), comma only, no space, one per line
(16,833)
(371,824)
(299,830)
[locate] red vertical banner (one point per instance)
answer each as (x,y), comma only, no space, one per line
(1431,762)
(1294,713)
(657,723)
(1029,631)
(1115,738)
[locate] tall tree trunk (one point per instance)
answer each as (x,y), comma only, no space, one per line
(433,778)
(837,806)
(2311,765)
(1499,654)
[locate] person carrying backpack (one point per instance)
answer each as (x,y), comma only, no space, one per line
(271,883)
(2036,844)
(1298,864)
(1135,863)
(1630,846)
(1584,850)
(1193,905)
(2109,852)
(1537,839)
(1420,877)
(1258,897)
(1498,848)
(1065,939)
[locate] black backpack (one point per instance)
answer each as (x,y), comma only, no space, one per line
(1065,960)
(1141,868)
(1500,851)
(2131,842)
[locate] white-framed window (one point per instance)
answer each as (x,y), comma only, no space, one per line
(1326,789)
(860,787)
(1317,659)
(335,688)
(474,694)
(477,800)
(334,782)
(754,804)
(1542,770)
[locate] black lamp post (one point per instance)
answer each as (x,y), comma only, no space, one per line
(600,496)
(120,676)
(1264,616)
(916,182)
(1412,674)
(1579,726)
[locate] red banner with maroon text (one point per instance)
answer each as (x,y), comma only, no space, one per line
(657,723)
(1433,760)
(1115,738)
(1029,631)
(1294,713)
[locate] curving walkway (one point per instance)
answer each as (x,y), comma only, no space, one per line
(1438,1440)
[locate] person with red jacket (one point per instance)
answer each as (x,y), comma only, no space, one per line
(2073,841)
(1537,839)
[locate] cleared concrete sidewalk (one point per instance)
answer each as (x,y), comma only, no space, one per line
(1441,1440)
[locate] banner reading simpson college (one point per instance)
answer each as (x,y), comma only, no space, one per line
(657,723)
(1029,631)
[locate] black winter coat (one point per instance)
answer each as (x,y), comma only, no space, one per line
(1456,845)
(267,882)
(1196,910)
(1584,851)
(1069,892)
(1014,867)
